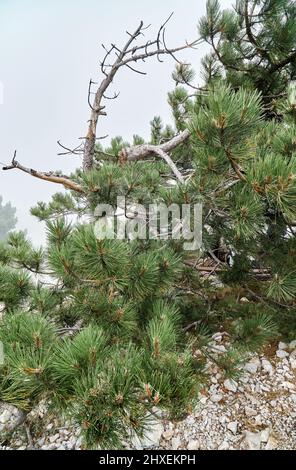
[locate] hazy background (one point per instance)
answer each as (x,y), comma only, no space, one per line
(49,50)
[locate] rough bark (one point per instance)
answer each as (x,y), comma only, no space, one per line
(46,176)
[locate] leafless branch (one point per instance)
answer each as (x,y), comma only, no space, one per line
(125,56)
(261,274)
(169,161)
(47,176)
(129,154)
(140,152)
(129,54)
(76,151)
(112,97)
(71,330)
(89,94)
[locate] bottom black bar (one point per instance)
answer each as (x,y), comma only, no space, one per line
(134,459)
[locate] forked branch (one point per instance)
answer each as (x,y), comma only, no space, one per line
(129,154)
(126,56)
(140,152)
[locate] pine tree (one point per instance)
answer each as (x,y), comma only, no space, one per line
(7,218)
(123,326)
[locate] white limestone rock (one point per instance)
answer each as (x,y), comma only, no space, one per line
(224,446)
(193,445)
(176,442)
(230,385)
(232,426)
(292,345)
(253,440)
(265,435)
(5,416)
(250,411)
(152,437)
(252,366)
(167,435)
(216,397)
(282,354)
(267,366)
(271,443)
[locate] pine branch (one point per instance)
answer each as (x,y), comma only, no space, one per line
(279,65)
(235,166)
(262,274)
(262,52)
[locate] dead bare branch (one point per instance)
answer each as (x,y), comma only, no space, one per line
(46,176)
(169,161)
(124,57)
(76,151)
(112,97)
(140,152)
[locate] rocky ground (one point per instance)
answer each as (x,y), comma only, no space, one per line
(256,412)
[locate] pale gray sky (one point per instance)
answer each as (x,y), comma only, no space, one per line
(49,50)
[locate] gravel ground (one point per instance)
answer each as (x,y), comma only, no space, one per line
(256,412)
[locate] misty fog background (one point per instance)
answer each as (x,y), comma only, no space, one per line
(48,52)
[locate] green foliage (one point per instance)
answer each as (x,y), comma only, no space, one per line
(227,122)
(255,331)
(28,342)
(254,44)
(107,329)
(14,286)
(283,288)
(7,218)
